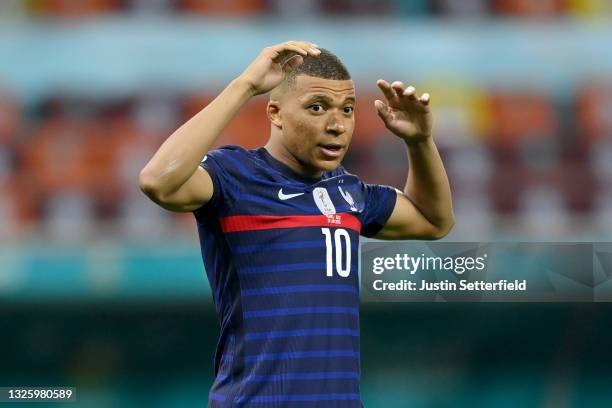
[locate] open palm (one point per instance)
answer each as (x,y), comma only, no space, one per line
(403,113)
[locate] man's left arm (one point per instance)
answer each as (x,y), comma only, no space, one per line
(424,210)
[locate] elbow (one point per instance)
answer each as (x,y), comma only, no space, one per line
(150,185)
(445,228)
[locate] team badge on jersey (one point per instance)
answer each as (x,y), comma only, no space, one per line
(323,201)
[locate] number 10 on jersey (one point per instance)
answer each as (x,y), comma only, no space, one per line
(342,268)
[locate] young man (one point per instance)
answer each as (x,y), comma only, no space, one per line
(279,226)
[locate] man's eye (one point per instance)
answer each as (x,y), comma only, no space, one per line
(316,108)
(348,109)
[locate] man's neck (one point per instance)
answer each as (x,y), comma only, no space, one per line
(280,153)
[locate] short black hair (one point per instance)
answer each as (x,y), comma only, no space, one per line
(326,65)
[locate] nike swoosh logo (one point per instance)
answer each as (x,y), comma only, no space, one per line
(287,196)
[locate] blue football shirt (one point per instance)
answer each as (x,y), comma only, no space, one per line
(280,252)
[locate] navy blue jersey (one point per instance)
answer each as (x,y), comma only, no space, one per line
(280,252)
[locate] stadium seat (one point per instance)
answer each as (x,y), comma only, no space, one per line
(234,8)
(518,115)
(529,8)
(74,8)
(250,129)
(594,106)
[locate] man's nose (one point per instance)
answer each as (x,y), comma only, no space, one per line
(335,125)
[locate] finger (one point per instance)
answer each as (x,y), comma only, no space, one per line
(410,92)
(300,43)
(307,45)
(398,87)
(383,110)
(386,89)
(280,54)
(310,48)
(425,99)
(292,63)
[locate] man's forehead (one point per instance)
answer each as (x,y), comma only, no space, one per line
(306,85)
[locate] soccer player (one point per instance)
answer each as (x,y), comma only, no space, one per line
(279,225)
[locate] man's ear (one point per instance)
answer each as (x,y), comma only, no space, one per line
(273,111)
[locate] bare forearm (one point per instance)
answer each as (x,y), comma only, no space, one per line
(179,156)
(427,185)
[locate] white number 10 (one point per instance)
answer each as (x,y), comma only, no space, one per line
(343,269)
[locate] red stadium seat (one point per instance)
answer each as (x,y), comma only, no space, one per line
(369,129)
(75,8)
(55,157)
(518,116)
(594,104)
(250,129)
(228,7)
(530,8)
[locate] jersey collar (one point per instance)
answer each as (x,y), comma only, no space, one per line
(286,170)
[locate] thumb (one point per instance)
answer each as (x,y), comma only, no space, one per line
(292,63)
(383,110)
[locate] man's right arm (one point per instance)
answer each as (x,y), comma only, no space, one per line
(173,178)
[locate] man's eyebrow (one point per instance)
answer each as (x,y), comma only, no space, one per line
(327,98)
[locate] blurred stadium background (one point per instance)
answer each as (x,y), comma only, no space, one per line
(102,290)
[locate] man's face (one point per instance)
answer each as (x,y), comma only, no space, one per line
(318,122)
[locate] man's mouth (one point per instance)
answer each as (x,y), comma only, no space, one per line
(332,150)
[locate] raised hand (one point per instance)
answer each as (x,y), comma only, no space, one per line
(271,65)
(404,114)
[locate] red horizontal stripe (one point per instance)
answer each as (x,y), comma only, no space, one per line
(263,222)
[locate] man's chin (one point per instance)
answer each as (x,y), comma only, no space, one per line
(328,165)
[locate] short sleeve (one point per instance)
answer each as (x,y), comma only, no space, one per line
(219,165)
(379,204)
